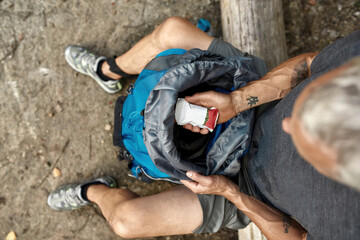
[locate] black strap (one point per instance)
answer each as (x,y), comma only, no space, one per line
(115,69)
(118,118)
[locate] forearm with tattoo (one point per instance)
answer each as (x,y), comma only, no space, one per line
(272,223)
(275,84)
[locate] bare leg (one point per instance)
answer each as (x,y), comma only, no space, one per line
(175,32)
(176,211)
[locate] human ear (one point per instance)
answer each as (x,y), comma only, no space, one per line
(286,125)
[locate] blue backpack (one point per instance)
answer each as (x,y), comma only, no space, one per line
(144,129)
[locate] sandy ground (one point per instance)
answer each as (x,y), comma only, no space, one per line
(52,116)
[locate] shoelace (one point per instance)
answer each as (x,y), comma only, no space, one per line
(71,197)
(87,60)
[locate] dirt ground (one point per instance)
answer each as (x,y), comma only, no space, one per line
(51,116)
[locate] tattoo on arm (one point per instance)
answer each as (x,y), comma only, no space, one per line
(286,223)
(301,72)
(252,100)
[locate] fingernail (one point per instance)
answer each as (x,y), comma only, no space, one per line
(189,174)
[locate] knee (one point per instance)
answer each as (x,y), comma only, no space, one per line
(122,229)
(169,30)
(124,221)
(174,22)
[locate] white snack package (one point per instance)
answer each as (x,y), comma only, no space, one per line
(199,116)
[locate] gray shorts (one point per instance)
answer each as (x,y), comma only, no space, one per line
(218,212)
(227,50)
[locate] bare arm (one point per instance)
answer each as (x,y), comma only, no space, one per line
(274,85)
(272,223)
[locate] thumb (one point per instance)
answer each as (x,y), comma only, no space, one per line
(192,99)
(204,180)
(201,99)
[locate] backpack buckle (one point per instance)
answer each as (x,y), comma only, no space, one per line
(124,154)
(130,88)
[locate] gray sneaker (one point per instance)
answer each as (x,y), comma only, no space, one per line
(68,197)
(85,62)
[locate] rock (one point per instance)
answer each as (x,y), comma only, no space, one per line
(21,37)
(320,8)
(107,127)
(11,236)
(333,34)
(339,7)
(56,173)
(58,107)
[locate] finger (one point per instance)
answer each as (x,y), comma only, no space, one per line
(204,131)
(195,129)
(188,126)
(203,180)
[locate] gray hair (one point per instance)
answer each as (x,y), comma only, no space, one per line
(331,113)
